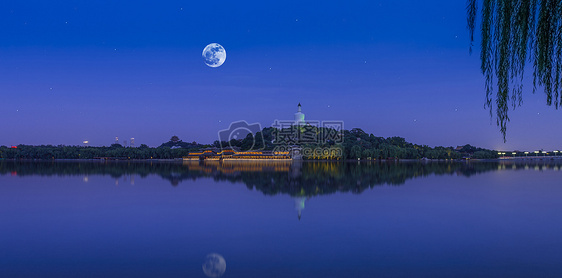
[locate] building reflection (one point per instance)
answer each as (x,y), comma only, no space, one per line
(301,180)
(233,167)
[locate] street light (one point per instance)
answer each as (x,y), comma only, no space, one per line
(555,152)
(526,153)
(544,152)
(536,153)
(513,153)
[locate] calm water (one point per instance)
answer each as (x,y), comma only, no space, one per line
(69,219)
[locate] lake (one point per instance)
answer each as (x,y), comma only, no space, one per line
(281,219)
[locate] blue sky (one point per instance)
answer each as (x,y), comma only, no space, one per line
(91,70)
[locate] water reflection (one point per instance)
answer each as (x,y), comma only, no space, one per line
(473,219)
(299,205)
(297,179)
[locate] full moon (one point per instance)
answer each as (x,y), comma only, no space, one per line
(214,55)
(214,265)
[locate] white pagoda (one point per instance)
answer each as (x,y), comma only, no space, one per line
(299,116)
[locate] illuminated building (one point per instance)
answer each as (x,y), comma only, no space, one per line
(229,154)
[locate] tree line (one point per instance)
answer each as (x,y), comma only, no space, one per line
(357,144)
(115,151)
(349,144)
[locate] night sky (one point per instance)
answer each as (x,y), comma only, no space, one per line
(92,70)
